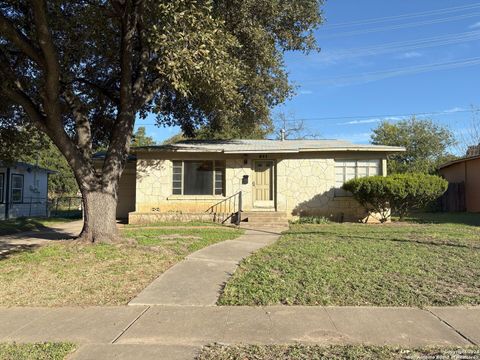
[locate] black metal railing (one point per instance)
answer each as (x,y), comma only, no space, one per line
(228,209)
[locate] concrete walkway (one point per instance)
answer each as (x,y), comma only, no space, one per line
(10,244)
(199,278)
(178,332)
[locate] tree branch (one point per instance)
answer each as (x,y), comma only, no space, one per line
(24,44)
(103,90)
(52,67)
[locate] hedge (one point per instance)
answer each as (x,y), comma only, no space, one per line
(399,192)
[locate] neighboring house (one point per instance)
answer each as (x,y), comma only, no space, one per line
(463,192)
(23,190)
(197,179)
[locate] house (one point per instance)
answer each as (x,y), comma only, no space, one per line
(203,180)
(23,190)
(463,176)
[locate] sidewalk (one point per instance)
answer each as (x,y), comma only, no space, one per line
(199,278)
(178,332)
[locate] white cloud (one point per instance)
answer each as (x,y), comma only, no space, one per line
(475,26)
(453,110)
(410,55)
(373,120)
(305,92)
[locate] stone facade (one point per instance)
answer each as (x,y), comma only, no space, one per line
(303,186)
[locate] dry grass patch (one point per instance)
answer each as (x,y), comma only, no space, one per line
(64,273)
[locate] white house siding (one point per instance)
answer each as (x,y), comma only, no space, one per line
(35,193)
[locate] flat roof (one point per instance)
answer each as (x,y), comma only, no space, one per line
(265,146)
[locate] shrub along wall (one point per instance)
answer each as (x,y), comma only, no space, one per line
(399,192)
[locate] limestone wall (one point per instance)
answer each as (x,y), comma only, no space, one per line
(305,187)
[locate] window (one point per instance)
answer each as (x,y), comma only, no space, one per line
(17,188)
(2,187)
(198,177)
(351,169)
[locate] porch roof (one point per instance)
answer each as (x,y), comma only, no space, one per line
(265,146)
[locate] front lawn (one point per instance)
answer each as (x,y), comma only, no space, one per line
(343,352)
(38,351)
(13,226)
(398,264)
(65,273)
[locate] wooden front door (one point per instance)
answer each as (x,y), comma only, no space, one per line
(263,183)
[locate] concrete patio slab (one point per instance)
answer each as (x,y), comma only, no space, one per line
(190,282)
(466,320)
(80,325)
(131,352)
(392,325)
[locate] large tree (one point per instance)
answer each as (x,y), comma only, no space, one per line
(83,71)
(427,144)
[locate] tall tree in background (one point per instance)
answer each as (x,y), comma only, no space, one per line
(83,71)
(140,138)
(427,144)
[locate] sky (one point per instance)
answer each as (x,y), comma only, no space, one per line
(383,60)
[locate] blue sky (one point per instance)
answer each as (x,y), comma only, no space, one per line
(378,57)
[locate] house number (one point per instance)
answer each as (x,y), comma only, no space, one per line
(155,209)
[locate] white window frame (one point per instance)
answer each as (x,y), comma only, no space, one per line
(17,188)
(339,192)
(215,166)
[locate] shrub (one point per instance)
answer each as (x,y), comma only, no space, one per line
(311,220)
(399,192)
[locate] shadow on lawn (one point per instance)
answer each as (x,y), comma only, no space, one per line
(331,234)
(460,218)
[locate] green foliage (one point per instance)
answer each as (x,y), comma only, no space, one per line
(140,138)
(311,220)
(362,265)
(36,351)
(426,144)
(334,352)
(398,192)
(47,155)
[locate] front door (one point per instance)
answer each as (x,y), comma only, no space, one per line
(263,184)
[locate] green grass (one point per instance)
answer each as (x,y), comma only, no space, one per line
(173,223)
(13,226)
(38,351)
(398,264)
(338,352)
(72,274)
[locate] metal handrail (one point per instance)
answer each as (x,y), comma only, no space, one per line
(224,210)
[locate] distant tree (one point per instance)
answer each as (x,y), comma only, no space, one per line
(140,138)
(427,144)
(62,182)
(82,71)
(469,137)
(293,128)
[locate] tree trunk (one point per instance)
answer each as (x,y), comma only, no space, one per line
(100,224)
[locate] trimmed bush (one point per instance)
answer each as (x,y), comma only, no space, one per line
(399,192)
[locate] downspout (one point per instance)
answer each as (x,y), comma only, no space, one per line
(7,194)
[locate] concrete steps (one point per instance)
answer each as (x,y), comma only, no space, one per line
(270,219)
